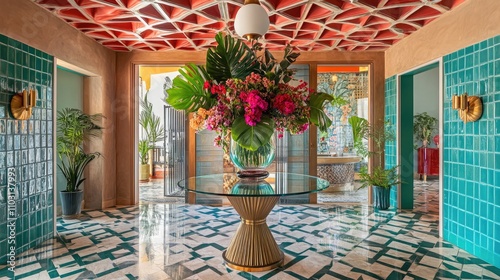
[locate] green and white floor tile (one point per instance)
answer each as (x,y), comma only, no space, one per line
(178,241)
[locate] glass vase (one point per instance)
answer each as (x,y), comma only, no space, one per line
(252,163)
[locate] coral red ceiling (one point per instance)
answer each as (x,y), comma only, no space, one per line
(162,25)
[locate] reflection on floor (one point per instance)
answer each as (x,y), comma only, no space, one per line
(177,241)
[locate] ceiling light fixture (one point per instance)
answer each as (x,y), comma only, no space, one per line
(251,21)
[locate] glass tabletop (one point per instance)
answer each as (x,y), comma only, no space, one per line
(276,184)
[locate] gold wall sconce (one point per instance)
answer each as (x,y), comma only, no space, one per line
(22,103)
(470,108)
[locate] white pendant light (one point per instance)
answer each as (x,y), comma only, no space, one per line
(251,21)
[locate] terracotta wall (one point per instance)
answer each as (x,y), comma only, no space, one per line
(469,23)
(24,21)
(126,97)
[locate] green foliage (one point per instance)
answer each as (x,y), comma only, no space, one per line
(187,91)
(144,148)
(338,101)
(74,127)
(150,122)
(423,126)
(360,130)
(380,176)
(318,116)
(252,137)
(232,58)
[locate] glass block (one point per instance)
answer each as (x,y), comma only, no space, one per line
(37,140)
(3,194)
(24,142)
(2,127)
(44,140)
(31,156)
(43,183)
(37,126)
(49,140)
(37,207)
(49,92)
(32,187)
(43,127)
(10,159)
(50,185)
(38,186)
(43,202)
(17,142)
(25,190)
(10,127)
(32,207)
(24,157)
(31,168)
(49,169)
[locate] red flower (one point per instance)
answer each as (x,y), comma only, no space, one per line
(284,104)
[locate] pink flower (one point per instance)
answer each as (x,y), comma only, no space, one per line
(284,104)
(254,106)
(206,85)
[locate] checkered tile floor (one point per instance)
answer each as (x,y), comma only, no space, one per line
(177,241)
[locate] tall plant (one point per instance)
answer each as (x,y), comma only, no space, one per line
(380,176)
(150,122)
(74,127)
(423,126)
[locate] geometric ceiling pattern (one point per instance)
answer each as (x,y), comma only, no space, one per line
(162,25)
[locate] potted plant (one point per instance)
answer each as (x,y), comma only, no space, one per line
(74,127)
(242,93)
(381,179)
(423,126)
(144,149)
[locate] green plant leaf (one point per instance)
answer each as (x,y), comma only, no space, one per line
(318,116)
(252,137)
(187,92)
(73,128)
(360,130)
(232,58)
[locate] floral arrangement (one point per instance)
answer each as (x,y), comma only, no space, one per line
(245,96)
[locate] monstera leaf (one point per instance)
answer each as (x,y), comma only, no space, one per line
(318,116)
(187,92)
(252,137)
(230,59)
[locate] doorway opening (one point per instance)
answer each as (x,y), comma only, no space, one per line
(420,93)
(338,160)
(161,136)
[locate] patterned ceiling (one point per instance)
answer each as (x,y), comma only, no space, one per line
(309,25)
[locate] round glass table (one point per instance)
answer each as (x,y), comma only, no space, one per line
(253,247)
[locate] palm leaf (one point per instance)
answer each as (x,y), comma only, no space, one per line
(187,92)
(318,116)
(252,137)
(232,58)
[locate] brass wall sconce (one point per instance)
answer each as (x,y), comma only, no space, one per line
(22,103)
(470,108)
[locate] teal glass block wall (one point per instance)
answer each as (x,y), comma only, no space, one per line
(26,145)
(471,152)
(391,103)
